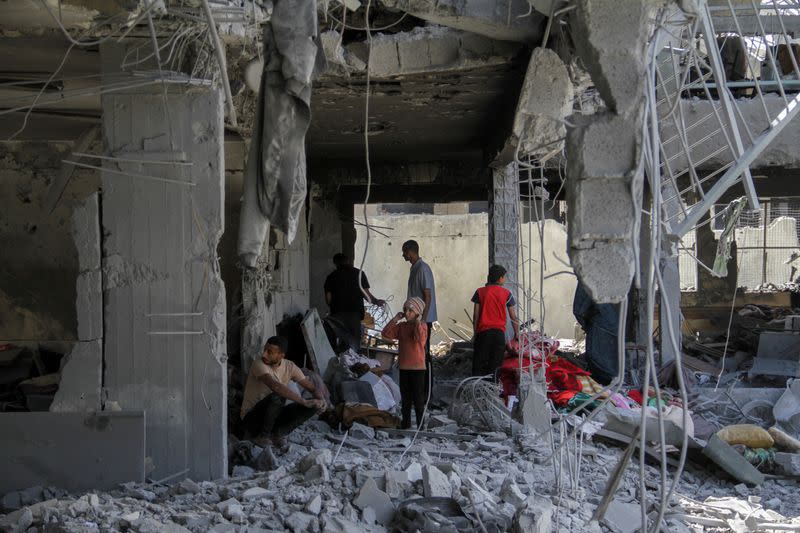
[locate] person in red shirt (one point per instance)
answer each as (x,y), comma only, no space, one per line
(493,305)
(411,334)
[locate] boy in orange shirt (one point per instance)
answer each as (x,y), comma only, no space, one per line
(412,334)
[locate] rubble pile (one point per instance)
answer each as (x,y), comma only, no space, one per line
(448,478)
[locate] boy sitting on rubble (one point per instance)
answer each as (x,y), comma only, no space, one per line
(266,417)
(412,334)
(494,304)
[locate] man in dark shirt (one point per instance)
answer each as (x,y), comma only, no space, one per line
(345,295)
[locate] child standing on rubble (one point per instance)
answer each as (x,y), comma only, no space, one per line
(411,335)
(494,305)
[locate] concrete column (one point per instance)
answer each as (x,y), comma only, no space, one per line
(81,371)
(670,291)
(504,221)
(164,312)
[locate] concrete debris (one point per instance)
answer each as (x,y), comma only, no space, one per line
(362,432)
(435,483)
(623,517)
(426,491)
(535,516)
(372,497)
(788,464)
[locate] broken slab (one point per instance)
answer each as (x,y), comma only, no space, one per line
(80,387)
(623,517)
(544,104)
(535,516)
(505,20)
(371,496)
(40,449)
(428,49)
(732,462)
(435,483)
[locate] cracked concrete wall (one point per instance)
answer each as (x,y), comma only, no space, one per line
(505,20)
(164,298)
(79,388)
(604,179)
(40,261)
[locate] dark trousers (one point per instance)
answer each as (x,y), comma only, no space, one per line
(428,363)
(413,384)
(488,352)
(271,417)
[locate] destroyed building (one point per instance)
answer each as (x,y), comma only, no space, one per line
(177,176)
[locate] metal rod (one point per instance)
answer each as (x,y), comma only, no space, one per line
(140,176)
(175,332)
(174,314)
(223,66)
(124,160)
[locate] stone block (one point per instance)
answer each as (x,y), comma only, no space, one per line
(435,483)
(510,493)
(314,505)
(603,146)
(79,390)
(255,493)
(371,496)
(605,268)
(315,457)
(788,463)
(599,209)
(384,59)
(414,472)
(535,516)
(89,305)
(299,522)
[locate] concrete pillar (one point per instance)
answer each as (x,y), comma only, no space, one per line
(164,299)
(670,291)
(81,371)
(604,149)
(504,222)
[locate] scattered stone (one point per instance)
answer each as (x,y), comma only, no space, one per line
(315,457)
(314,506)
(243,471)
(436,421)
(414,472)
(265,461)
(336,524)
(317,473)
(396,483)
(435,483)
(25,520)
(511,493)
(623,517)
(360,431)
(255,493)
(299,522)
(371,496)
(187,486)
(233,511)
(788,463)
(741,489)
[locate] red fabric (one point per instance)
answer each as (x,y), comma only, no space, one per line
(493,301)
(561,375)
(635,395)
